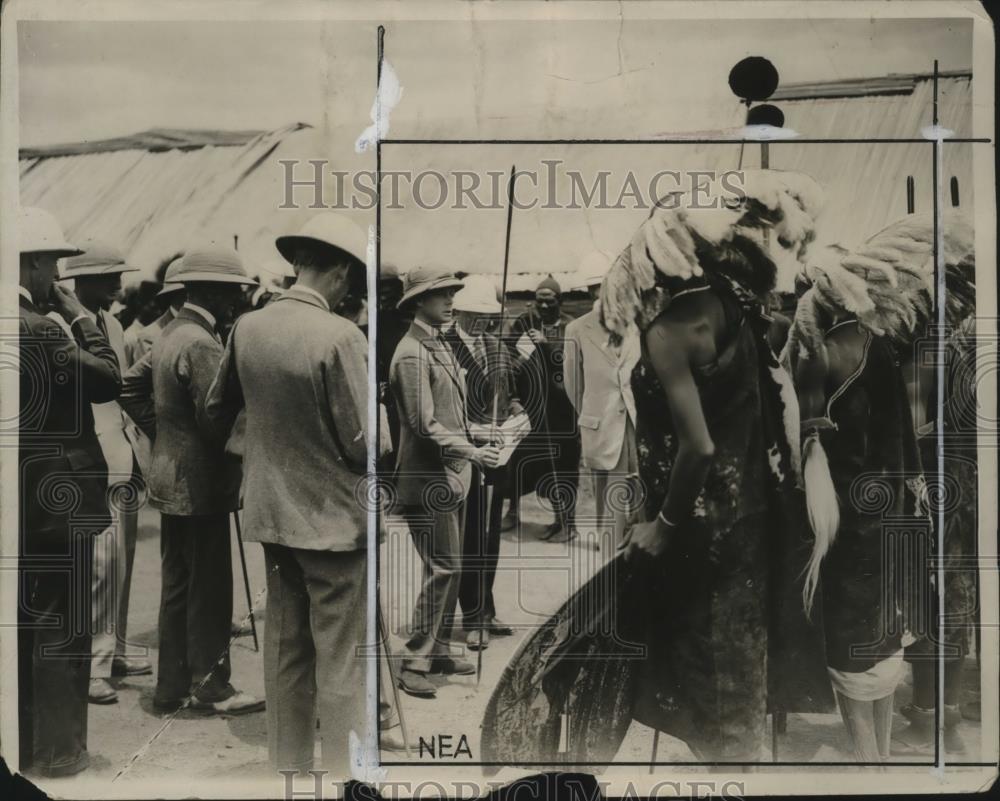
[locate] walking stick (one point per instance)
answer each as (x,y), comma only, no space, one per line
(656,745)
(246,578)
(392,677)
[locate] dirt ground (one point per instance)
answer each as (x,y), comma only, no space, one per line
(129,742)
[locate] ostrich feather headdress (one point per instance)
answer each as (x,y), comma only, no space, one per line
(687,231)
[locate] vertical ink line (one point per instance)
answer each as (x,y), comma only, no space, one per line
(373,675)
(941,302)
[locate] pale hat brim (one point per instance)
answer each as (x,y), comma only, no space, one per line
(89,272)
(170,286)
(478,307)
(61,251)
(288,245)
(444,282)
(213,278)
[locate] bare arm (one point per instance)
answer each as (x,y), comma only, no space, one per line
(671,346)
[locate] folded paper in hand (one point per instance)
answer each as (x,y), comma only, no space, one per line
(506,436)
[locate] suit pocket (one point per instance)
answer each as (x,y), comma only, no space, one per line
(590,421)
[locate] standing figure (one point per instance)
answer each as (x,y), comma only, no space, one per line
(599,383)
(548,459)
(300,372)
(491,398)
(59,460)
(864,478)
(941,648)
(433,475)
(195,486)
(97,277)
(698,628)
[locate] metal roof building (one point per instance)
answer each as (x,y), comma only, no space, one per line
(157,192)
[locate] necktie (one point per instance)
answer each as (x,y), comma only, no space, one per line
(102,326)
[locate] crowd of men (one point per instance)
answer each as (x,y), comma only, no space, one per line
(220,396)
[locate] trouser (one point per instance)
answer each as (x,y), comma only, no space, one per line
(313,655)
(54,643)
(114,555)
(481,548)
(196,608)
(437,536)
(622,480)
(563,487)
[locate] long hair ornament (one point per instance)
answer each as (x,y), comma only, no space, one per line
(888,284)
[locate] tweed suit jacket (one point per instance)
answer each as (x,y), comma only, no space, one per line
(190,472)
(432,462)
(301,373)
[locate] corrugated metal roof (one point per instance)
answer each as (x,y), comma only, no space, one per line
(154,201)
(154,140)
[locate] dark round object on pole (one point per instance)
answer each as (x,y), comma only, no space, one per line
(753,78)
(766,115)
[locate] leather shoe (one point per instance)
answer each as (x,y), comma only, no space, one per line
(416,684)
(130,666)
(100,692)
(476,637)
(499,629)
(449,666)
(239,704)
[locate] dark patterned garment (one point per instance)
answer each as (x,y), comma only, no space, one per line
(728,579)
(719,617)
(871,579)
(957,489)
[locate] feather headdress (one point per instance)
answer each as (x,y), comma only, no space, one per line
(688,233)
(887,283)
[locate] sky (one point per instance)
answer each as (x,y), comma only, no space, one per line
(83,81)
(630,78)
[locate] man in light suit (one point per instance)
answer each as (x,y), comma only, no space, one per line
(195,485)
(63,503)
(598,379)
(97,277)
(300,371)
(433,474)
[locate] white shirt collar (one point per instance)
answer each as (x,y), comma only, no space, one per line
(203,312)
(310,291)
(426,326)
(25,294)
